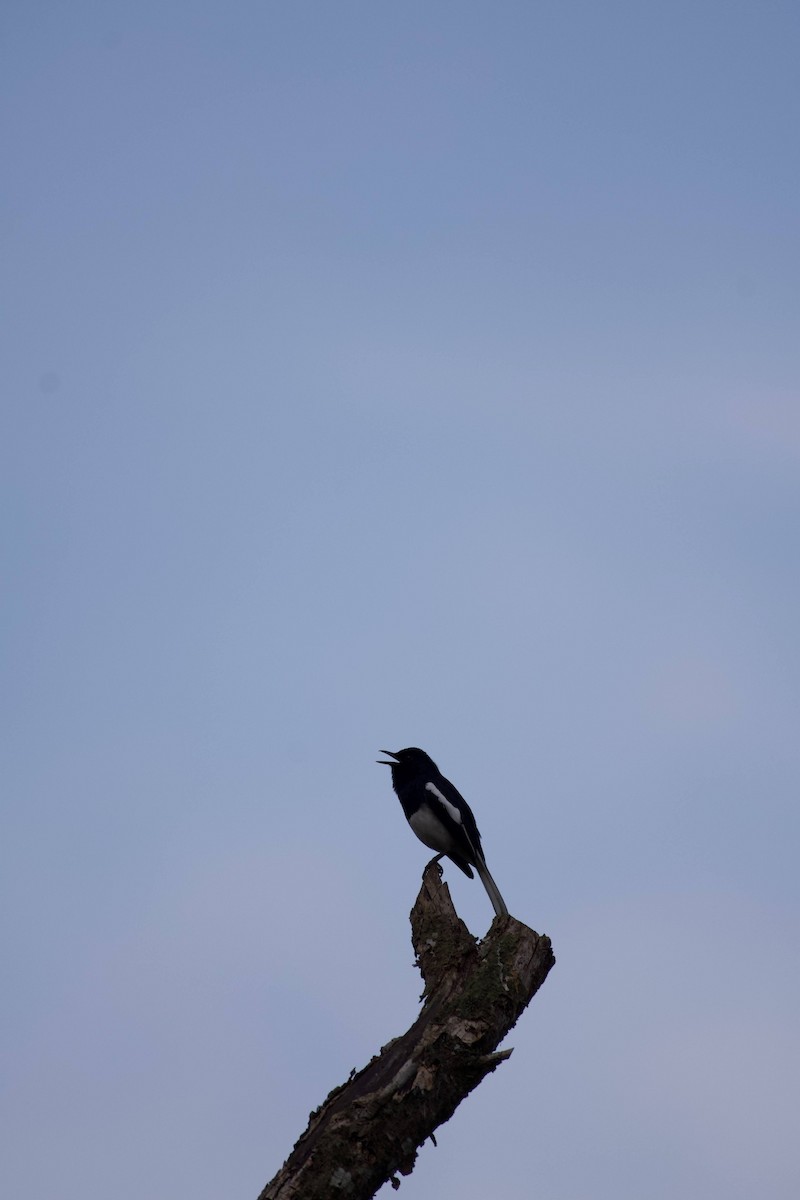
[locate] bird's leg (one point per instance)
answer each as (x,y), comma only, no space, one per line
(434,862)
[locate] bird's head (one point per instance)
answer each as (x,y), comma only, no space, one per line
(408,763)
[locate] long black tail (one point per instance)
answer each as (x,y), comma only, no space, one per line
(491,887)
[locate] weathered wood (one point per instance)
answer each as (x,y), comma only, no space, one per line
(369,1129)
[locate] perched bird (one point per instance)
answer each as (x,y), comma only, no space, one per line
(440,816)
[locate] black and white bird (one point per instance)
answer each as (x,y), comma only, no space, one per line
(440,816)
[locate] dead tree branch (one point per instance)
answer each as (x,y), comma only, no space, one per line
(369,1129)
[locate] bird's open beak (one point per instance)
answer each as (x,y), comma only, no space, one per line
(383,761)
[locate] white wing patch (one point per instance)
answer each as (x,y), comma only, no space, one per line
(450,808)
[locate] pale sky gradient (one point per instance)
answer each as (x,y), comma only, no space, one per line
(379,375)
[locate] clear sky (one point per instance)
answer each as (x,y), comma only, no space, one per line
(380,375)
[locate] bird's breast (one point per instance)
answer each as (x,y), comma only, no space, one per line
(430,830)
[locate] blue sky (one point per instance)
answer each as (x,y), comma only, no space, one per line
(384,375)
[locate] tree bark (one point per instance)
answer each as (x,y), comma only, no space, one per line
(370,1128)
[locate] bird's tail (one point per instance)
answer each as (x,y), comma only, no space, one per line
(498,903)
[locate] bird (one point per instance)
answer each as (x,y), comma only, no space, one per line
(440,816)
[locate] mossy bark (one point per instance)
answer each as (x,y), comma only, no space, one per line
(368,1130)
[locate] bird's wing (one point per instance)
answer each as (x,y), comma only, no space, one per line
(456,814)
(452,810)
(466,820)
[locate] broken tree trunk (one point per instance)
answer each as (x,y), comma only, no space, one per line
(371,1127)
